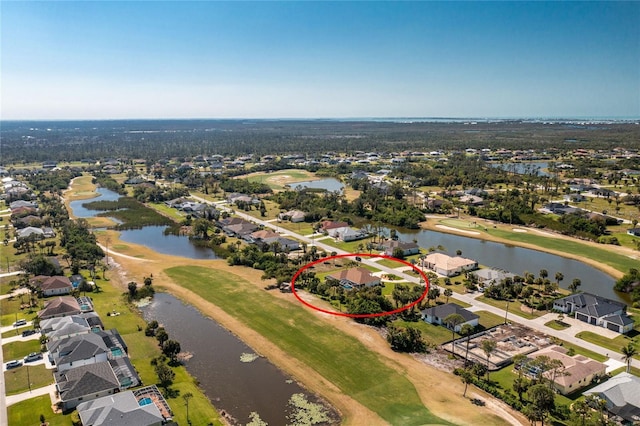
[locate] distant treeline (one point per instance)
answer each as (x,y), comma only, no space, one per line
(153,140)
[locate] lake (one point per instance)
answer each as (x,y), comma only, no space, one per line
(524,168)
(237,387)
(518,260)
(149,236)
(328,184)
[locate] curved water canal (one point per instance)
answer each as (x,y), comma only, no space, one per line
(234,378)
(518,260)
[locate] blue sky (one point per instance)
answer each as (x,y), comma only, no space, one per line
(84,60)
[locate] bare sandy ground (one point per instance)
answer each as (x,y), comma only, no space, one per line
(452,229)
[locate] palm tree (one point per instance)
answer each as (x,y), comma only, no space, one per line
(488,346)
(452,321)
(466,330)
(448,293)
(559,277)
(574,285)
(466,377)
(628,352)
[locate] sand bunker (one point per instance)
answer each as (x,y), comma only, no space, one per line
(449,228)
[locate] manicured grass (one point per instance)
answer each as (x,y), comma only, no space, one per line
(557,325)
(489,319)
(16,379)
(433,334)
(162,208)
(18,350)
(514,307)
(302,228)
(617,261)
(635,371)
(506,376)
(27,413)
(11,311)
(614,345)
(581,351)
(340,358)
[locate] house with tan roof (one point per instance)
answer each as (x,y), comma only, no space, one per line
(52,286)
(60,307)
(448,266)
(353,278)
(579,371)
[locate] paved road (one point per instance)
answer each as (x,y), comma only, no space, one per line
(567,334)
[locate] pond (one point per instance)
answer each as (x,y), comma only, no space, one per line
(105,195)
(149,236)
(176,245)
(328,184)
(524,168)
(238,387)
(518,260)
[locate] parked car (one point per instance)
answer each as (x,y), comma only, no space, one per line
(14,364)
(20,322)
(28,332)
(33,356)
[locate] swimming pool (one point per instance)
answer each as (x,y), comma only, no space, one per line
(145,401)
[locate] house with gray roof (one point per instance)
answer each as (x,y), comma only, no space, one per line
(621,394)
(121,409)
(437,314)
(86,349)
(85,383)
(596,310)
(61,328)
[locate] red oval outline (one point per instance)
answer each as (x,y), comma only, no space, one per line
(344,314)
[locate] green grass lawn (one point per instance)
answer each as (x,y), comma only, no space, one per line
(174,214)
(16,379)
(489,319)
(581,351)
(11,311)
(635,371)
(514,307)
(340,358)
(18,350)
(27,413)
(556,325)
(506,376)
(302,228)
(434,334)
(615,344)
(617,261)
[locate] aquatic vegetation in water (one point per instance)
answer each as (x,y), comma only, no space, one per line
(246,357)
(305,412)
(256,420)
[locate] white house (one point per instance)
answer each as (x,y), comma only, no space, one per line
(437,314)
(448,266)
(596,310)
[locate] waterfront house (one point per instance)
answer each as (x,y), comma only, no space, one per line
(120,409)
(85,383)
(448,266)
(408,248)
(596,310)
(284,244)
(490,276)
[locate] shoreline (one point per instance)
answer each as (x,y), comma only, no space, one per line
(435,226)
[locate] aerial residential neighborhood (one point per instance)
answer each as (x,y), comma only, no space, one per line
(517,328)
(231,213)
